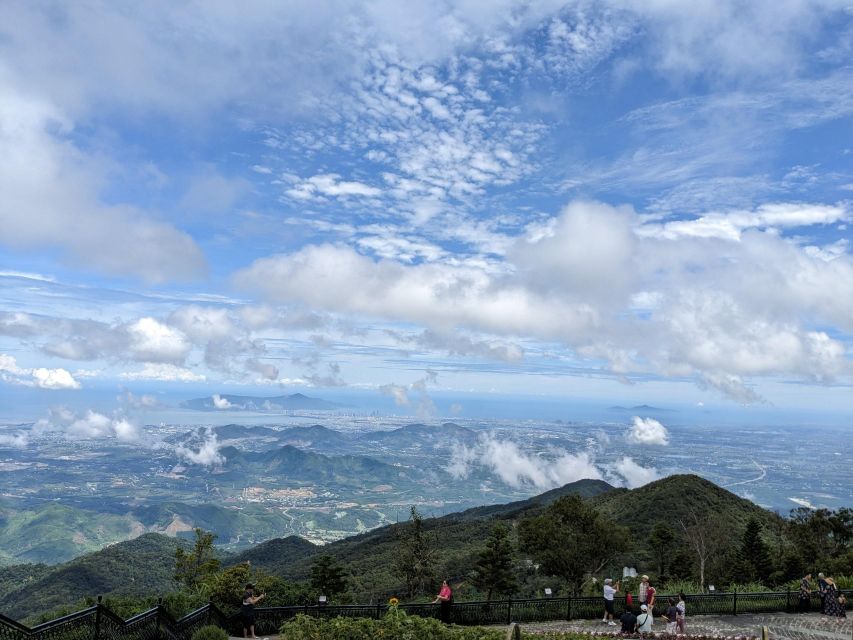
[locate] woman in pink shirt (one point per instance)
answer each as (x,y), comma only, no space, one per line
(443,600)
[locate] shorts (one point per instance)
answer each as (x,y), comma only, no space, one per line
(608,606)
(248,620)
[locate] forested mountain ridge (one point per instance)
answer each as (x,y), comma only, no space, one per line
(652,526)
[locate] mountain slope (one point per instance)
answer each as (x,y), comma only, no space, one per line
(673,498)
(370,555)
(140,567)
(314,468)
(42,534)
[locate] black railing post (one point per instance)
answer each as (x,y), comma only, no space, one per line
(509,610)
(159,616)
(569,608)
(788,600)
(734,603)
(378,610)
(98,617)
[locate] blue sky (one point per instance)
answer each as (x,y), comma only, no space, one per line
(641,200)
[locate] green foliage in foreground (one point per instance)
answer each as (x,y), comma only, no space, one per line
(396,625)
(210,632)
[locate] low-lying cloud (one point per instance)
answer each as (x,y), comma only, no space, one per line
(207,454)
(647,431)
(89,425)
(517,468)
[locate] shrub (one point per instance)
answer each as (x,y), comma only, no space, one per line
(210,632)
(396,625)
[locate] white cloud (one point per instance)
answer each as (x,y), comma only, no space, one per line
(40,377)
(730,225)
(17,440)
(50,200)
(164,373)
(221,403)
(517,468)
(207,454)
(153,341)
(647,431)
(634,474)
(330,185)
(54,379)
(90,425)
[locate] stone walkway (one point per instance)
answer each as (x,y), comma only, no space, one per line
(783,626)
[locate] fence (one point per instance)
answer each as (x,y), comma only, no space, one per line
(99,623)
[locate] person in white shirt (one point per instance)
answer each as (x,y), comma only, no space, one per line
(645,620)
(609,592)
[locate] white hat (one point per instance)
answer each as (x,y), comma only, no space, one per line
(644,607)
(608,581)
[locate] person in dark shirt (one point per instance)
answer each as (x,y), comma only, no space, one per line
(628,620)
(247,610)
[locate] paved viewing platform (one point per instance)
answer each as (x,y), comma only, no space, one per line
(787,626)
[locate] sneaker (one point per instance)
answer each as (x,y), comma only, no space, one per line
(611,623)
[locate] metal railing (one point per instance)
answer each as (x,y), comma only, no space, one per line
(99,623)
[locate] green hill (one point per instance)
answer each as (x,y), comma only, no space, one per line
(55,533)
(674,499)
(140,567)
(313,468)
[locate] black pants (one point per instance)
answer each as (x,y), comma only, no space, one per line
(803,605)
(444,612)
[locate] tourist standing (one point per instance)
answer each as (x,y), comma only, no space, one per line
(443,600)
(834,600)
(671,617)
(647,593)
(681,615)
(821,589)
(805,593)
(609,592)
(247,610)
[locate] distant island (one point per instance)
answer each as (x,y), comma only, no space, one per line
(230,402)
(640,408)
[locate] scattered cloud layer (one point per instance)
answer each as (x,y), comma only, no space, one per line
(619,186)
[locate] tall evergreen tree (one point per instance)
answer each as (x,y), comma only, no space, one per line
(328,577)
(753,558)
(494,573)
(417,553)
(662,544)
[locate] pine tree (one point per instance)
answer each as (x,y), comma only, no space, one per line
(494,573)
(753,558)
(662,543)
(328,577)
(417,552)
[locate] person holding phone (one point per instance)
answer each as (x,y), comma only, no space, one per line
(247,610)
